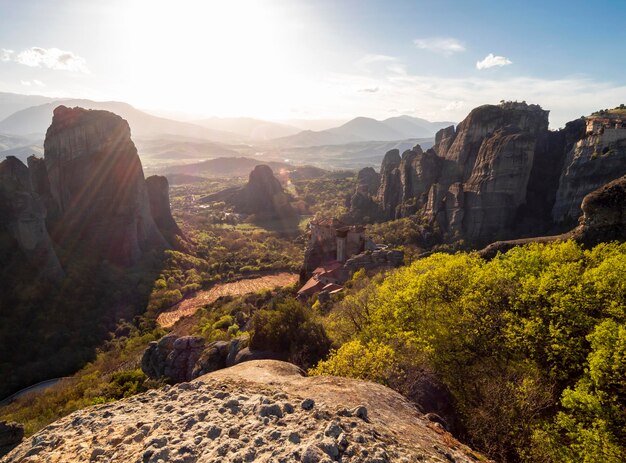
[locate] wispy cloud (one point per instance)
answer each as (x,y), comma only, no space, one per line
(5,55)
(454,105)
(52,58)
(375,62)
(33,83)
(491,61)
(445,98)
(369,89)
(444,45)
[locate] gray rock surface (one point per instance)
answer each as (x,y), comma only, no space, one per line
(592,162)
(493,176)
(11,435)
(249,412)
(97,182)
(159,197)
(179,359)
(23,217)
(263,198)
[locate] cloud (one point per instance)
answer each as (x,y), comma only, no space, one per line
(5,55)
(444,45)
(52,58)
(445,98)
(493,61)
(34,83)
(369,90)
(373,59)
(454,105)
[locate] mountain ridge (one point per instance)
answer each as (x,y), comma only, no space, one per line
(362,129)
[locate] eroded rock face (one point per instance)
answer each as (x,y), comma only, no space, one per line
(159,196)
(97,182)
(263,198)
(184,358)
(11,434)
(492,177)
(390,192)
(603,214)
(592,162)
(255,411)
(23,217)
(603,219)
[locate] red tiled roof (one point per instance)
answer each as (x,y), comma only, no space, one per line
(334,222)
(312,286)
(327,267)
(332,288)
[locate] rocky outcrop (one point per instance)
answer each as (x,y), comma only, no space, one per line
(97,182)
(362,206)
(263,198)
(178,359)
(375,259)
(592,162)
(603,214)
(23,218)
(255,411)
(11,434)
(494,176)
(603,219)
(159,196)
(368,181)
(390,192)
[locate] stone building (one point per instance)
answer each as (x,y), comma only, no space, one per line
(332,240)
(335,251)
(598,125)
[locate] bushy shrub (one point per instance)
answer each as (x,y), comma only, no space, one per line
(531,345)
(291,329)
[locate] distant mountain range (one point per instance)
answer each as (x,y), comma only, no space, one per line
(36,119)
(366,129)
(13,102)
(162,141)
(255,129)
(20,147)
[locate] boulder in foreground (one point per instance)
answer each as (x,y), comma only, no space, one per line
(256,411)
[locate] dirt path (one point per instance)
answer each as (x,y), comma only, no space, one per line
(189,306)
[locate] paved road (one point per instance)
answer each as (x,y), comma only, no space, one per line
(39,387)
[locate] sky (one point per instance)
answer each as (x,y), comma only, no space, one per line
(319,59)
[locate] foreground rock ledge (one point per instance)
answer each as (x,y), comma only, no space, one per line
(264,411)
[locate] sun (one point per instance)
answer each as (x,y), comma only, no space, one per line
(224,57)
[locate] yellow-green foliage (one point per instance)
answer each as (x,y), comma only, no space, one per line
(514,338)
(373,361)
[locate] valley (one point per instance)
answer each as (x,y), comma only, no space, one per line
(371,275)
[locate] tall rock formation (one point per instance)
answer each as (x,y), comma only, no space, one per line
(23,218)
(362,205)
(494,176)
(593,161)
(159,196)
(263,198)
(390,192)
(97,182)
(603,214)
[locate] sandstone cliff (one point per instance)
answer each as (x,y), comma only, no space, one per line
(592,162)
(159,196)
(262,411)
(97,182)
(262,198)
(603,219)
(23,218)
(494,176)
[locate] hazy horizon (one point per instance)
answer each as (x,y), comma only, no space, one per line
(296,60)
